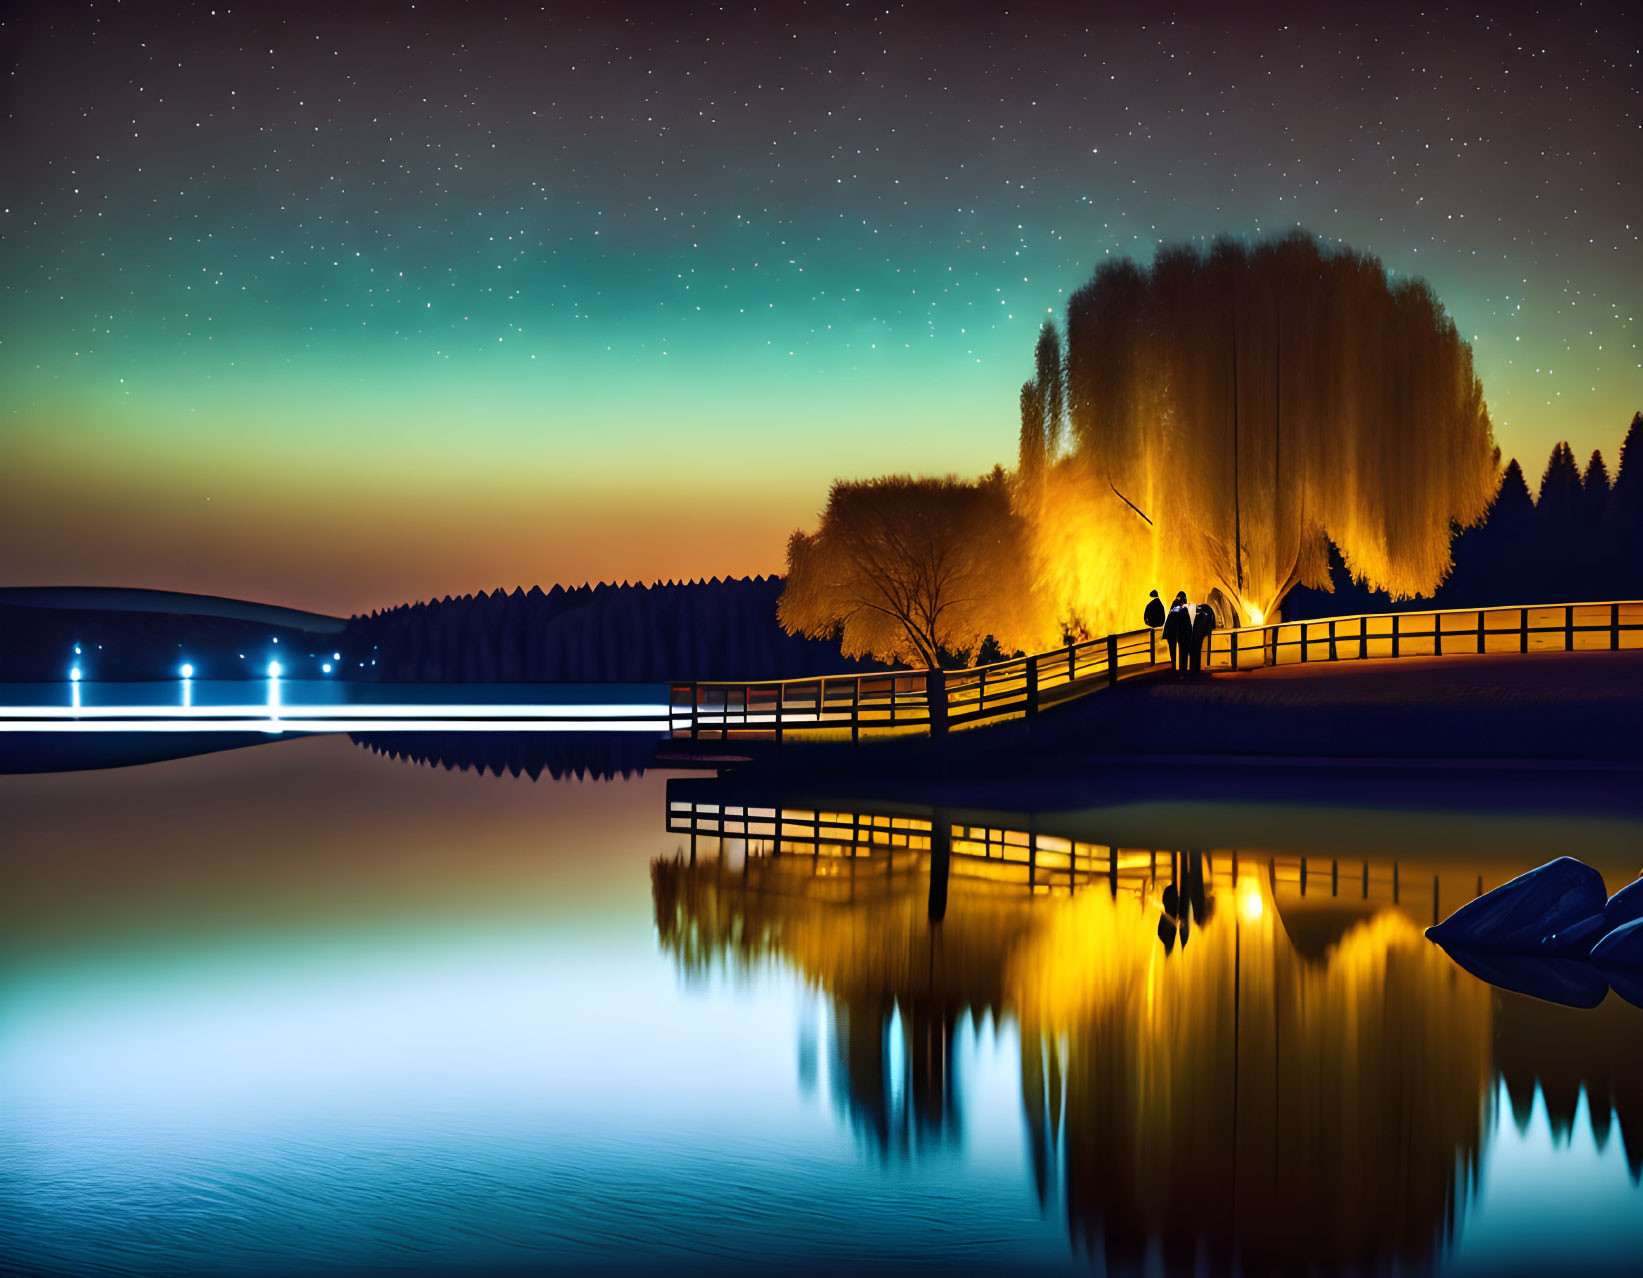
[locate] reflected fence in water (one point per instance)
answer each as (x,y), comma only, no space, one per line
(943,845)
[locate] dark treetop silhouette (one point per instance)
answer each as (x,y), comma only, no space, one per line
(1583,539)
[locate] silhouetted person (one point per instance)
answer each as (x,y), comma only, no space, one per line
(1202,624)
(1178,631)
(1154,615)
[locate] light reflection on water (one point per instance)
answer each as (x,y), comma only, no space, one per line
(464,1024)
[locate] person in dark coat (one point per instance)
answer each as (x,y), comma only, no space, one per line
(1178,631)
(1202,625)
(1154,615)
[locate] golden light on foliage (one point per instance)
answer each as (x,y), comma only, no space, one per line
(1353,1085)
(1306,1079)
(910,569)
(1229,413)
(1210,424)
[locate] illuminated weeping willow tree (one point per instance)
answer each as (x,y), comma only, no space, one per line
(1228,414)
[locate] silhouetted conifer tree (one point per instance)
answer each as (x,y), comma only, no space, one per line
(1560,491)
(1626,509)
(1595,488)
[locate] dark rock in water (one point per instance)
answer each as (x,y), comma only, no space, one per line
(1568,981)
(1625,906)
(1555,909)
(1577,939)
(1627,982)
(1622,947)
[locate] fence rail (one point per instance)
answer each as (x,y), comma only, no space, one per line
(1018,855)
(935,701)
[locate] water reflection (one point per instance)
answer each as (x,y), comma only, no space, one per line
(305,1008)
(597,756)
(1227,1056)
(593,755)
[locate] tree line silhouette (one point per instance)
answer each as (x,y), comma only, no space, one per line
(594,756)
(715,629)
(1578,537)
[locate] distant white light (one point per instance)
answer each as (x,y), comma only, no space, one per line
(187,672)
(76,650)
(74,674)
(273,670)
(276,640)
(326,667)
(336,656)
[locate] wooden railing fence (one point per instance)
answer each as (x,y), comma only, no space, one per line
(934,701)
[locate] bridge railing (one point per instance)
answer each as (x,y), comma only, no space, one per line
(1446,632)
(909,701)
(919,701)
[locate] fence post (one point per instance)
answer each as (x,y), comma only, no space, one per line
(1232,642)
(935,696)
(781,708)
(1614,627)
(1481,620)
(1332,655)
(1569,628)
(1437,634)
(855,710)
(695,711)
(1523,630)
(1032,687)
(1112,659)
(1363,638)
(1303,643)
(1395,617)
(1152,633)
(1072,661)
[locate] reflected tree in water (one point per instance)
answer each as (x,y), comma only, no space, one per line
(863,938)
(598,756)
(1306,1086)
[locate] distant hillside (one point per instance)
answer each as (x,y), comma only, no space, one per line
(168,602)
(606,633)
(147,634)
(628,633)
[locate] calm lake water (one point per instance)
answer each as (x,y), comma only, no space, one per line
(308,1008)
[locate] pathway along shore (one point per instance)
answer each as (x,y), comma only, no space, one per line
(1575,713)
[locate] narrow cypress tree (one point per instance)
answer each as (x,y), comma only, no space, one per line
(1051,388)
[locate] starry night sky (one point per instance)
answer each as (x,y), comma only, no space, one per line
(340,305)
